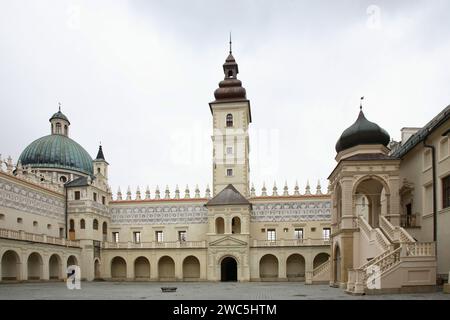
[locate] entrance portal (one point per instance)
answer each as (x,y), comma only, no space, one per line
(228,268)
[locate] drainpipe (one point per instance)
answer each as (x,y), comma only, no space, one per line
(433,167)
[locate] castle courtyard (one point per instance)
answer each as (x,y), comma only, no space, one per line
(194,290)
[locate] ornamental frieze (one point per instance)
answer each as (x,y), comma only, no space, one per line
(291,211)
(28,200)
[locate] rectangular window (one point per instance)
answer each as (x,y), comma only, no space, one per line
(298,234)
(95,196)
(443,148)
(137,237)
(61,232)
(181,236)
(159,235)
(326,232)
(229,172)
(77,195)
(271,235)
(426,159)
(115,236)
(446,192)
(229,150)
(428,200)
(103,200)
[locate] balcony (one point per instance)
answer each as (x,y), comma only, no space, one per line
(39,238)
(408,221)
(290,243)
(155,245)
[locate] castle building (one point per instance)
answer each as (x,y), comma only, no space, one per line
(381,226)
(56,209)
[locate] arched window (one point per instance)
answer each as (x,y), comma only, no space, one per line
(63,179)
(229,120)
(58,128)
(105,228)
(82,224)
(230,73)
(71,225)
(95,224)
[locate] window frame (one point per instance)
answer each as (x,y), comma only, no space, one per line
(271,234)
(445,192)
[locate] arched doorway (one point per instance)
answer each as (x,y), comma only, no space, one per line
(268,266)
(295,267)
(118,268)
(320,259)
(228,269)
(54,267)
(142,268)
(10,265)
(191,268)
(34,266)
(72,261)
(166,268)
(375,191)
(337,265)
(96,269)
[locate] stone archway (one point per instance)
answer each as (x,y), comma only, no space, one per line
(54,267)
(10,266)
(97,269)
(191,268)
(337,265)
(320,259)
(268,267)
(228,269)
(141,268)
(295,267)
(118,268)
(166,268)
(34,265)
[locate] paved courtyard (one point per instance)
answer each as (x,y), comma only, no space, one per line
(188,291)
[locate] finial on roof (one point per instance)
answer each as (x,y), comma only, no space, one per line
(230,44)
(360,103)
(59,106)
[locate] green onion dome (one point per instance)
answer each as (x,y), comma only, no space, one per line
(57,151)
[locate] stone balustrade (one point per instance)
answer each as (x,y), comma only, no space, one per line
(290,243)
(155,245)
(38,238)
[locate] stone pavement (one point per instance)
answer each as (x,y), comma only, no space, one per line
(192,291)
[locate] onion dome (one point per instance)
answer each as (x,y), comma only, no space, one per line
(230,87)
(362,132)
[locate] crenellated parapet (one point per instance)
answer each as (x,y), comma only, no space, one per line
(286,193)
(167,194)
(26,173)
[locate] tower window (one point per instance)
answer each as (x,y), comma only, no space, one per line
(95,224)
(229,120)
(77,195)
(63,179)
(82,224)
(58,128)
(65,130)
(230,73)
(229,172)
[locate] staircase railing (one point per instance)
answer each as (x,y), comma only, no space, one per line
(395,233)
(322,268)
(374,234)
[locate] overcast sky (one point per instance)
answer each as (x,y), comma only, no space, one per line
(138,76)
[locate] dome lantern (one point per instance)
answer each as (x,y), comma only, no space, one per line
(59,123)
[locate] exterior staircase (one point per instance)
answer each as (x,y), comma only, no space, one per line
(321,274)
(402,261)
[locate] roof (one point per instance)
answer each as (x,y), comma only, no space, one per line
(59,152)
(228,196)
(369,156)
(78,182)
(59,115)
(423,133)
(362,132)
(100,155)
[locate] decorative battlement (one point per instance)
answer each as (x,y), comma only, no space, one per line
(156,195)
(27,174)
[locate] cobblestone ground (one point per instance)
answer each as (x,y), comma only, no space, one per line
(191,291)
